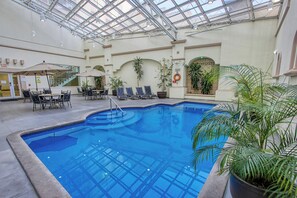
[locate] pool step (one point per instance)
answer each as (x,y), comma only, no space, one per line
(113,121)
(109,115)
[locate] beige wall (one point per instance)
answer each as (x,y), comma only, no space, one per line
(284,40)
(17,42)
(250,43)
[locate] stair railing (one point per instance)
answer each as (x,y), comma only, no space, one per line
(117,107)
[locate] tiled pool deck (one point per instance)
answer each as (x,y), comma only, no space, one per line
(18,116)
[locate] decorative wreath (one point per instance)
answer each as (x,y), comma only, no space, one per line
(176,77)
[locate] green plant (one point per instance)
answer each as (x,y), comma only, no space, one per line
(115,82)
(164,74)
(138,68)
(261,139)
(85,84)
(195,73)
(207,80)
(0,93)
(98,82)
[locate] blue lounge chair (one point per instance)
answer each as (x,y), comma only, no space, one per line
(130,94)
(120,94)
(148,92)
(140,93)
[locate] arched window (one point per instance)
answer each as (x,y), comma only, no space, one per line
(293,62)
(278,64)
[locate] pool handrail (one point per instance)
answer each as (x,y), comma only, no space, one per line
(116,105)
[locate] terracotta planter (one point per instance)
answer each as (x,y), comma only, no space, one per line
(241,189)
(161,94)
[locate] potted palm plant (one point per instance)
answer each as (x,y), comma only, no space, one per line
(115,83)
(258,153)
(164,75)
(195,72)
(137,64)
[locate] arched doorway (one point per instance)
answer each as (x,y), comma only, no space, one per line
(207,64)
(100,81)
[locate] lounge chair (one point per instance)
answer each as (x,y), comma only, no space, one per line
(148,92)
(120,94)
(140,93)
(130,94)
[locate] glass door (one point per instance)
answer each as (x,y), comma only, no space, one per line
(5,83)
(9,86)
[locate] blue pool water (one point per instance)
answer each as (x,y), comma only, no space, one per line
(145,153)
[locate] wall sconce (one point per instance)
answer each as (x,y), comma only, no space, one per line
(7,60)
(22,62)
(15,61)
(0,60)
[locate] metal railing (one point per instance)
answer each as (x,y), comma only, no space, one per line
(117,107)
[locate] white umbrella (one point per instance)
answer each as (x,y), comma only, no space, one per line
(42,69)
(91,73)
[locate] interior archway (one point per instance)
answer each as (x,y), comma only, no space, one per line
(206,65)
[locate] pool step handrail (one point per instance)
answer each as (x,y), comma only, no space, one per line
(117,107)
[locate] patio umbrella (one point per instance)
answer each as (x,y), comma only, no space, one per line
(42,69)
(91,73)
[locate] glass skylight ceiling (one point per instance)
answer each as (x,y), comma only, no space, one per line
(92,19)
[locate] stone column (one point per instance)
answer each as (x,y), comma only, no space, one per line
(108,66)
(178,88)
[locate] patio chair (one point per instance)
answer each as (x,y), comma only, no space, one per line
(105,93)
(79,91)
(130,94)
(120,94)
(37,100)
(26,94)
(148,92)
(140,93)
(89,94)
(47,91)
(67,97)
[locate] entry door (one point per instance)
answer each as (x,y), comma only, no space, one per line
(9,86)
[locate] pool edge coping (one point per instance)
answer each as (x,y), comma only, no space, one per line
(44,182)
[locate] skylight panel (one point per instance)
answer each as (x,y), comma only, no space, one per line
(125,7)
(61,9)
(215,4)
(138,18)
(83,14)
(99,3)
(77,18)
(166,5)
(172,13)
(90,8)
(114,13)
(181,24)
(257,2)
(175,18)
(197,19)
(178,2)
(216,13)
(187,6)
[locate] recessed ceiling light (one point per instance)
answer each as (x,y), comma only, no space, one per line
(210,1)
